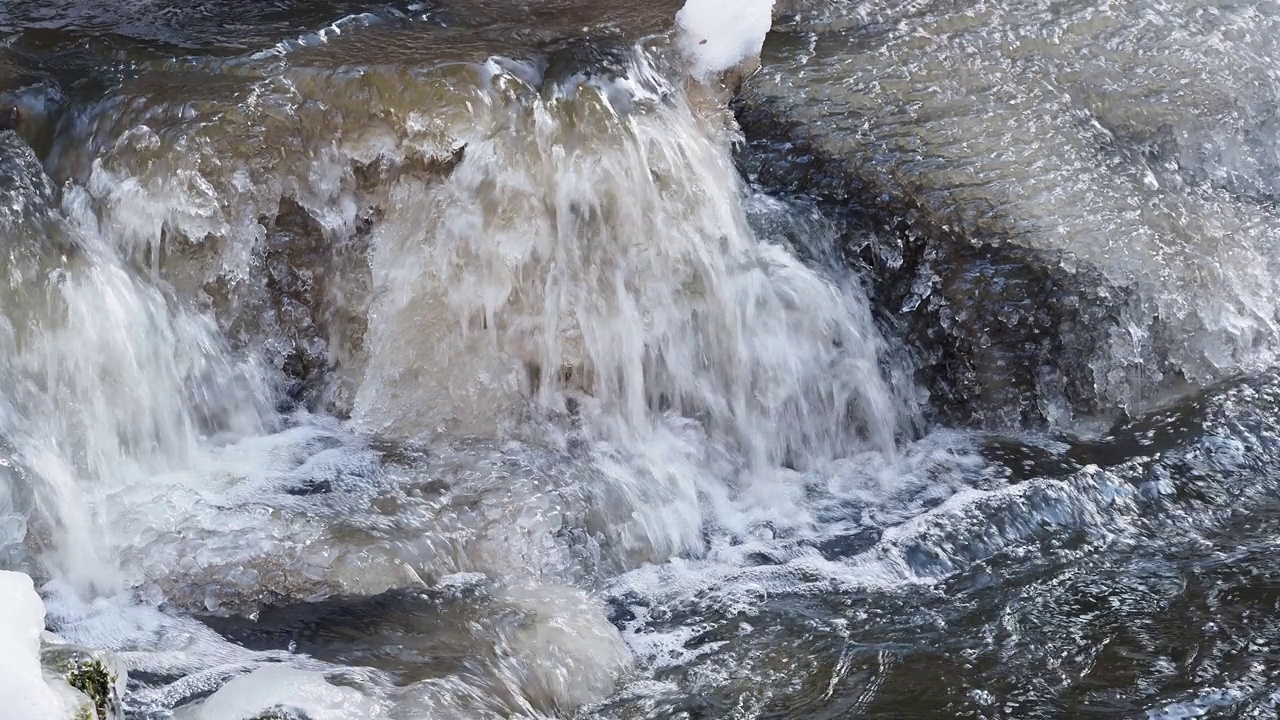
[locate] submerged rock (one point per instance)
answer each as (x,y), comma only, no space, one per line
(542,650)
(301,301)
(280,713)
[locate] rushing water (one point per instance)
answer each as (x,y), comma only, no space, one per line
(434,360)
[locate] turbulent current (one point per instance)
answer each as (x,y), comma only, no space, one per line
(552,358)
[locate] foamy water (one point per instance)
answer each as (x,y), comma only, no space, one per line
(575,356)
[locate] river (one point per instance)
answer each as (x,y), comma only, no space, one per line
(508,358)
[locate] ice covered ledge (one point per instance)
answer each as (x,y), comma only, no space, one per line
(42,677)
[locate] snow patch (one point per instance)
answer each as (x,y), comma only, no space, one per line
(721,35)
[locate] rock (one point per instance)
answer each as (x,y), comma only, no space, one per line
(281,713)
(98,676)
(304,299)
(26,192)
(58,681)
(722,37)
(302,312)
(10,117)
(720,42)
(95,674)
(33,92)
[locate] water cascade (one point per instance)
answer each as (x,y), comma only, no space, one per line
(490,359)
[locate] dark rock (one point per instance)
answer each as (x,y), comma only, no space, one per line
(604,64)
(298,264)
(305,300)
(583,58)
(382,172)
(35,238)
(426,631)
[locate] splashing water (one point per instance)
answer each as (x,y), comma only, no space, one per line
(536,294)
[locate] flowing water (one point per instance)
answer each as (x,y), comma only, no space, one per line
(435,360)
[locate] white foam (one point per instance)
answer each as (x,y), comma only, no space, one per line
(26,694)
(720,35)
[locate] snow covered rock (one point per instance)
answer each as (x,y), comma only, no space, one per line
(722,39)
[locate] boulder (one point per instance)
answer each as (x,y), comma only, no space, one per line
(278,692)
(721,39)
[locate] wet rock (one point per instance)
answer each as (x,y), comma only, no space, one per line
(306,298)
(299,265)
(279,692)
(498,639)
(383,171)
(34,88)
(26,192)
(558,19)
(9,117)
(304,319)
(583,58)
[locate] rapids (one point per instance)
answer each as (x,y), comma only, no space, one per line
(473,359)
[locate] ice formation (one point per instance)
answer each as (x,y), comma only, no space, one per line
(23,688)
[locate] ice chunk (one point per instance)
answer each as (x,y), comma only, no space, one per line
(718,36)
(26,694)
(280,691)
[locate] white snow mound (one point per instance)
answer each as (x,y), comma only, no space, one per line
(720,35)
